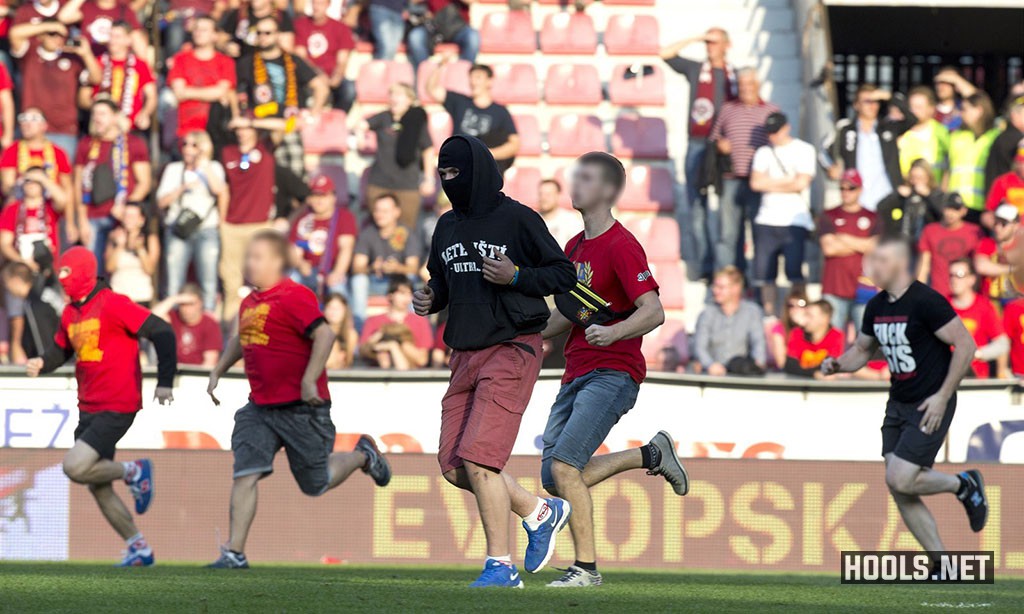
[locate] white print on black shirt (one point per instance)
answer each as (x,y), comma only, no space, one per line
(891,332)
(456,250)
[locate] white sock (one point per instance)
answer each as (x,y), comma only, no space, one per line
(504,560)
(138,543)
(539,514)
(131,468)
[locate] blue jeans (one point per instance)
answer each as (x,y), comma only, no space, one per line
(772,241)
(387,28)
(737,205)
(202,249)
(343,96)
(418,46)
(583,414)
(845,310)
(692,215)
(364,286)
(101,227)
(68,143)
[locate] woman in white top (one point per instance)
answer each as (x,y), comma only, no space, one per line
(191,195)
(132,257)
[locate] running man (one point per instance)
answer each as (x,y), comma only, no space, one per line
(915,327)
(285,341)
(603,363)
(102,329)
(492,261)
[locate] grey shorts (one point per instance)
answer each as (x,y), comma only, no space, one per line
(583,414)
(305,432)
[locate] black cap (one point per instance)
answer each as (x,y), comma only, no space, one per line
(775,122)
(954,201)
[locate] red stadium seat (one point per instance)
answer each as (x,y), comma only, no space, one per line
(508,32)
(521,184)
(528,128)
(641,90)
(571,33)
(376,77)
(629,34)
(515,84)
(572,84)
(659,235)
(440,126)
(328,135)
(671,278)
(454,77)
(574,135)
(648,188)
(640,137)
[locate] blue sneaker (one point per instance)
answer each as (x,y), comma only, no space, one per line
(542,540)
(141,486)
(498,575)
(136,558)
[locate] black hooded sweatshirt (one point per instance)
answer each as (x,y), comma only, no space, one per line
(482,314)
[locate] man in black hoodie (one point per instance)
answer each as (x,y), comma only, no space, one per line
(492,261)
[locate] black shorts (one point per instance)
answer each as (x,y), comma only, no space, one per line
(305,432)
(102,430)
(902,435)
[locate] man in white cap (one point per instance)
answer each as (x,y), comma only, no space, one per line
(992,259)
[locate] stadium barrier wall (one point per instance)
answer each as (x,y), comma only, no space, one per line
(740,515)
(767,418)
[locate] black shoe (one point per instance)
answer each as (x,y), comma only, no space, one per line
(670,466)
(974,499)
(376,466)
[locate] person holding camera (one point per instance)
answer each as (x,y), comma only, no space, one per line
(191,194)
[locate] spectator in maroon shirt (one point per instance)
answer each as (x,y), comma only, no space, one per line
(34,12)
(200,76)
(198,334)
(420,41)
(322,240)
(397,339)
(51,73)
(96,18)
(326,44)
(737,133)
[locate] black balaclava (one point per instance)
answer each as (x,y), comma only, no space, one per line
(457,153)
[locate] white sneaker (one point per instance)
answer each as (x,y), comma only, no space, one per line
(576,577)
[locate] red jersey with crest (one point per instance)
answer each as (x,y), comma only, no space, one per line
(102,332)
(614,266)
(809,354)
(273,328)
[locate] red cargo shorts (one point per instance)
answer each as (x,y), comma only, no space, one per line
(487,395)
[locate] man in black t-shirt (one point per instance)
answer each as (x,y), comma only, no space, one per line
(477,114)
(915,327)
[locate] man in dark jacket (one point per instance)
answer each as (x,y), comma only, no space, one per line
(868,143)
(492,261)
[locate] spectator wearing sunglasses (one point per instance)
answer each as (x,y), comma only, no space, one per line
(993,256)
(980,319)
(846,233)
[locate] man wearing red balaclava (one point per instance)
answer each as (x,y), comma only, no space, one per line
(101,329)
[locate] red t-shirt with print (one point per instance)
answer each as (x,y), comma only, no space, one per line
(102,332)
(312,235)
(323,41)
(195,339)
(810,355)
(18,219)
(273,328)
(980,319)
(615,267)
(96,23)
(422,336)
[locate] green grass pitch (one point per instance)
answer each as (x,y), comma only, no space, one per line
(86,587)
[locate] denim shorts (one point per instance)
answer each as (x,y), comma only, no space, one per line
(583,414)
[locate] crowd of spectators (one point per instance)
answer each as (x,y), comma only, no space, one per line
(938,165)
(162,137)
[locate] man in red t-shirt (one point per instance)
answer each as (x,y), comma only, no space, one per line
(285,341)
(943,242)
(397,339)
(1009,187)
(846,233)
(603,363)
(323,240)
(127,79)
(198,335)
(979,318)
(34,150)
(810,344)
(33,219)
(101,329)
(200,76)
(326,43)
(111,170)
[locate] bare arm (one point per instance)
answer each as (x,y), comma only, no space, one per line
(323,339)
(7,109)
(434,87)
(833,247)
(761,182)
(143,181)
(320,93)
(988,268)
(673,49)
(232,354)
(852,359)
(210,93)
(508,149)
(955,334)
(71,12)
(557,324)
(924,266)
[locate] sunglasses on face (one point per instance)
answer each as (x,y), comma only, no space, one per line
(958,274)
(29,117)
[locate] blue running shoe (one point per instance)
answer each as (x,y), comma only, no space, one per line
(141,486)
(498,575)
(541,543)
(136,558)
